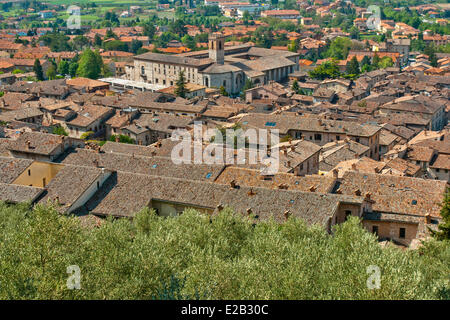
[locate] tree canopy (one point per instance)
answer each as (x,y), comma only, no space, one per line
(224,256)
(89,65)
(328,69)
(37,68)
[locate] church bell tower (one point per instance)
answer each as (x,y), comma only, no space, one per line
(216,44)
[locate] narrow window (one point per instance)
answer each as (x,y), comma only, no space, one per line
(402,233)
(375,230)
(348,213)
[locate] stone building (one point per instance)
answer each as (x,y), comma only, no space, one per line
(216,67)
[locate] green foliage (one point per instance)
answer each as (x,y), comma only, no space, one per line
(17,71)
(135,46)
(362,104)
(73,67)
(329,69)
(178,27)
(98,40)
(444,227)
(90,65)
(51,72)
(353,67)
(247,85)
(80,42)
(293,46)
(194,255)
(385,62)
(295,86)
(223,91)
(110,34)
(142,51)
(180,89)
(149,29)
(37,68)
(63,67)
(188,41)
(339,48)
(56,41)
(116,45)
(122,139)
(86,135)
(365,61)
(376,60)
(59,131)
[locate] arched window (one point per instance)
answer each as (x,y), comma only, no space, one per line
(142,70)
(207,82)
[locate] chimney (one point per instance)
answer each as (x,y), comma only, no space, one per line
(336,173)
(354,167)
(292,148)
(287,214)
(28,144)
(233,184)
(249,211)
(428,218)
(219,207)
(251,192)
(358,192)
(368,195)
(312,188)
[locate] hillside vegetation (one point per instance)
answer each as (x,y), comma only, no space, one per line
(195,256)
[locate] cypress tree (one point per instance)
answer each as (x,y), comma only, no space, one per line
(180,90)
(37,68)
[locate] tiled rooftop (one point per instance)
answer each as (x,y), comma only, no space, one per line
(157,166)
(253,178)
(39,143)
(11,168)
(15,193)
(396,194)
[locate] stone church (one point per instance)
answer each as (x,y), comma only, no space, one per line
(220,65)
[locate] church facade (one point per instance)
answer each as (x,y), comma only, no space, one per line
(218,66)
